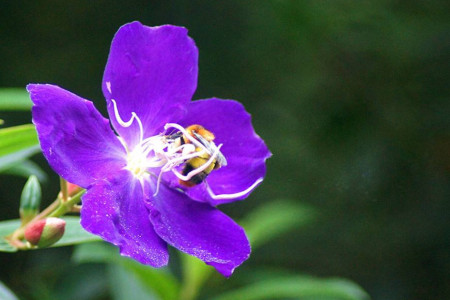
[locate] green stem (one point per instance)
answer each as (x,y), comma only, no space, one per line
(65,207)
(64,189)
(195,274)
(188,292)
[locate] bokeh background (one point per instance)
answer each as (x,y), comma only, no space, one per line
(352,98)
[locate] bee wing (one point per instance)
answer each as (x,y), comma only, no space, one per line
(211,148)
(175,135)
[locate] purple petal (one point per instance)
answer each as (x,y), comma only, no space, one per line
(76,140)
(115,210)
(199,230)
(151,71)
(244,150)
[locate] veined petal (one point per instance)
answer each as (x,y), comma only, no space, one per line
(199,230)
(244,150)
(76,140)
(115,210)
(151,71)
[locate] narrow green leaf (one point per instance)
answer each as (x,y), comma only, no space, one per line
(14,99)
(274,219)
(16,144)
(298,287)
(5,293)
(25,169)
(159,281)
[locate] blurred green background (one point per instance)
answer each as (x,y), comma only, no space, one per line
(352,98)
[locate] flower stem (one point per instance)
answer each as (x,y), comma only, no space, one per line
(188,292)
(64,189)
(194,274)
(66,206)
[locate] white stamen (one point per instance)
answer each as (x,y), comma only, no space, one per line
(108,86)
(122,141)
(199,169)
(158,182)
(187,148)
(186,134)
(129,122)
(235,195)
(172,163)
(175,162)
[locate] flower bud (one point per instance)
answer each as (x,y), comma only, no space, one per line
(73,189)
(30,199)
(44,233)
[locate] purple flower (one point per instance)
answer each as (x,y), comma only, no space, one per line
(141,193)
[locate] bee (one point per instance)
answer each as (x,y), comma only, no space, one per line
(205,138)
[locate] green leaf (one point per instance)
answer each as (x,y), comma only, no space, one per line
(5,293)
(6,228)
(124,285)
(158,281)
(74,234)
(274,219)
(16,144)
(82,282)
(296,286)
(14,99)
(25,169)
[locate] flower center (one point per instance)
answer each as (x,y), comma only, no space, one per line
(189,153)
(137,162)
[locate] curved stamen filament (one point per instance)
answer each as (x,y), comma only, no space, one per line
(234,195)
(174,162)
(199,169)
(108,86)
(187,135)
(129,122)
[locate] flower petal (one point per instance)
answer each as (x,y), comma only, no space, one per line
(244,150)
(199,230)
(76,140)
(151,71)
(115,210)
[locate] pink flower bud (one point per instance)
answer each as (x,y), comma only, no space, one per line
(73,189)
(44,233)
